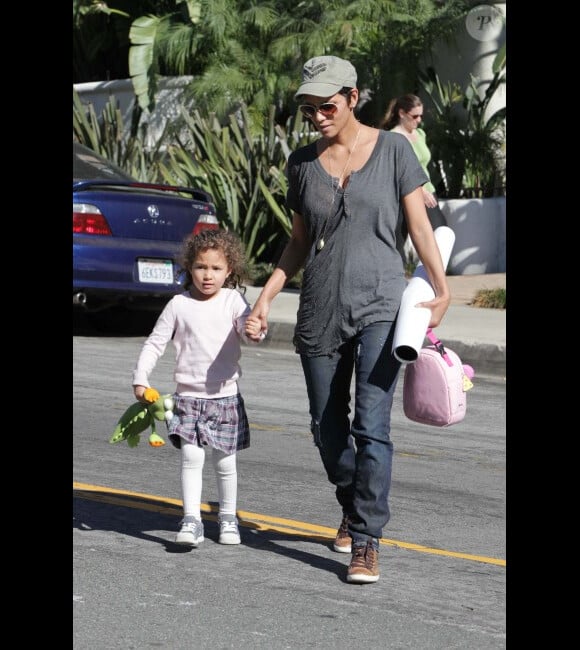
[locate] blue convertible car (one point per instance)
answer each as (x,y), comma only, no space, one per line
(127,235)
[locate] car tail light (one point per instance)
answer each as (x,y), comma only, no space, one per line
(88,220)
(206,222)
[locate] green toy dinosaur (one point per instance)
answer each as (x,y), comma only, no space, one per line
(140,416)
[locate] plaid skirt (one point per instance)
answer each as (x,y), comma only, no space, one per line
(220,423)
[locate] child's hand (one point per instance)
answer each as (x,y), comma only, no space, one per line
(254,329)
(139,392)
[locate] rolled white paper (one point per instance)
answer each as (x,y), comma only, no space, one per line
(412,322)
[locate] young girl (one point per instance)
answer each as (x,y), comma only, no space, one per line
(206,324)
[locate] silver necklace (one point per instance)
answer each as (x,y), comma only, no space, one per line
(321,242)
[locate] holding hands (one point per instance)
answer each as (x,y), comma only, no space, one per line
(254,329)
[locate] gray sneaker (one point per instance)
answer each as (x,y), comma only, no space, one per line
(229,532)
(191,533)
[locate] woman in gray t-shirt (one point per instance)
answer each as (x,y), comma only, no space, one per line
(347,192)
(357,277)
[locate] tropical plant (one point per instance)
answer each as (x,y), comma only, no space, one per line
(391,44)
(243,170)
(251,52)
(467,144)
(108,135)
(100,41)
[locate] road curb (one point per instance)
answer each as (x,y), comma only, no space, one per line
(484,358)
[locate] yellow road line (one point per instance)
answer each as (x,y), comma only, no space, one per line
(169,506)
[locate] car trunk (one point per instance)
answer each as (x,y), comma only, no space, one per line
(158,216)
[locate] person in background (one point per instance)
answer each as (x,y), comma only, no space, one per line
(404,115)
(206,324)
(346,190)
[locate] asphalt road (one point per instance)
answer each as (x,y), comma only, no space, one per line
(443,558)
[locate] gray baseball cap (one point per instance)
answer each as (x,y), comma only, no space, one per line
(324,76)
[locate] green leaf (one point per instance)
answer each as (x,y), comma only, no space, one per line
(142,35)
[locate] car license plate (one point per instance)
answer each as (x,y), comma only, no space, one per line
(155,271)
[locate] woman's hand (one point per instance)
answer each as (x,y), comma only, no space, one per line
(426,246)
(257,321)
(429,199)
(438,307)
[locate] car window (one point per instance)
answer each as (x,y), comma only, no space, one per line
(88,165)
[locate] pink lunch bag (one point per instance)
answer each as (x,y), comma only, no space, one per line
(435,386)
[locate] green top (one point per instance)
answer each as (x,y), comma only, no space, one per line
(424,155)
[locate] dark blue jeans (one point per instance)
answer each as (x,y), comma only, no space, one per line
(359,465)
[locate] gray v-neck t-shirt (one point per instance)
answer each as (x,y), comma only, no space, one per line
(357,278)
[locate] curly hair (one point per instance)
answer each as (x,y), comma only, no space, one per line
(224,240)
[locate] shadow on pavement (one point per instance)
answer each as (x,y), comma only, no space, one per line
(91,514)
(116,321)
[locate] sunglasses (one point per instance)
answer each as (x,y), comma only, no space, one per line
(415,117)
(327,109)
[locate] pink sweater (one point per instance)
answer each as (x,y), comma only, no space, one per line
(207,341)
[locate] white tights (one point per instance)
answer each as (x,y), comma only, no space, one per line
(192,461)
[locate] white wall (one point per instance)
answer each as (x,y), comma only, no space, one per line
(169,99)
(479,226)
